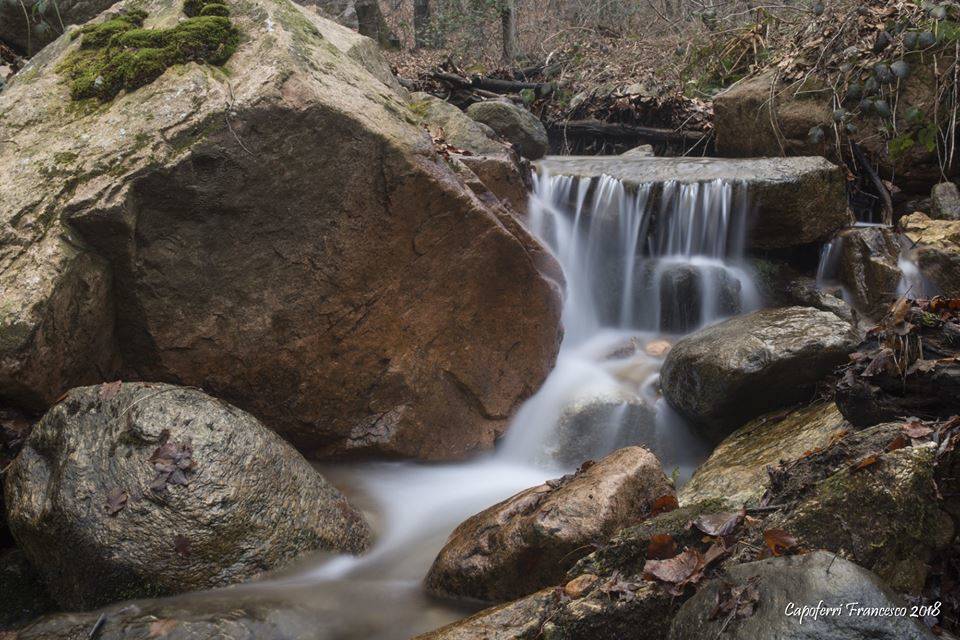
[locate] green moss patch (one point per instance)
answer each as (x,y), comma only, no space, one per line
(120,54)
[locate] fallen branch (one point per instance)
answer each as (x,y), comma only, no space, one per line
(596,128)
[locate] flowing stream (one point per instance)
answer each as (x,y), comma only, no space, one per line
(643,266)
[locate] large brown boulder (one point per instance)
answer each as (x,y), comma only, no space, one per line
(134,490)
(283,235)
(868,268)
(936,250)
(727,374)
(528,542)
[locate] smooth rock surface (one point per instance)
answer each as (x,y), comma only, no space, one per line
(938,250)
(795,200)
(803,580)
(281,233)
(725,375)
(515,124)
(528,541)
(149,489)
(737,469)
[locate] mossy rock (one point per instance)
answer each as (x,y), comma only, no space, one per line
(120,54)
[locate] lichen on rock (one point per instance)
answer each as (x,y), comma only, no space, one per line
(119,54)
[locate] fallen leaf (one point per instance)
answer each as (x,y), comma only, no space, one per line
(182,546)
(160,628)
(865,462)
(719,524)
(580,585)
(116,501)
(916,429)
(661,547)
(109,390)
(898,443)
(779,541)
(676,570)
(664,504)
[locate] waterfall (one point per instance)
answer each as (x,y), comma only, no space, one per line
(643,266)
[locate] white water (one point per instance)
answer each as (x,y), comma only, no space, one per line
(616,249)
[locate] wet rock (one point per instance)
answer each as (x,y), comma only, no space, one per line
(937,250)
(282,234)
(868,268)
(907,367)
(515,124)
(689,294)
(643,151)
(873,506)
(458,129)
(945,201)
(24,595)
(737,469)
(528,542)
(593,426)
(725,375)
(140,489)
(795,201)
(47,20)
(806,292)
(803,580)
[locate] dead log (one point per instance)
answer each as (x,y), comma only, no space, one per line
(540,89)
(619,131)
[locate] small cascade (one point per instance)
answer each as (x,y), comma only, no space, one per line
(643,266)
(828,269)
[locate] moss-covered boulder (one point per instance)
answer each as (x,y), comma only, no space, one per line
(737,469)
(136,490)
(277,229)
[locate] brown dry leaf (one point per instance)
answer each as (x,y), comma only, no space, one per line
(676,570)
(109,390)
(719,524)
(916,429)
(664,504)
(160,628)
(898,443)
(116,501)
(779,541)
(863,463)
(661,547)
(900,310)
(182,546)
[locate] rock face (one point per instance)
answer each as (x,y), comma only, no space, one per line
(519,126)
(46,21)
(283,235)
(801,581)
(945,200)
(794,201)
(459,129)
(868,268)
(527,542)
(727,374)
(937,253)
(737,469)
(140,489)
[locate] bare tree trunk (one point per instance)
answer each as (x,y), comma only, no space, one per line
(372,23)
(422,27)
(508,21)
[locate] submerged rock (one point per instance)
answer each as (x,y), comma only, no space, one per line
(782,585)
(727,374)
(517,125)
(528,541)
(690,294)
(140,489)
(281,233)
(737,469)
(937,250)
(592,426)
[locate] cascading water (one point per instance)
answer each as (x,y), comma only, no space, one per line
(642,265)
